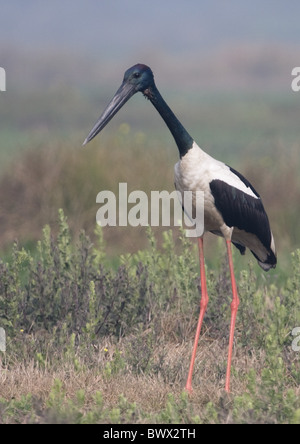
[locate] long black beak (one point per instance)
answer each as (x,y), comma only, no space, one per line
(120,98)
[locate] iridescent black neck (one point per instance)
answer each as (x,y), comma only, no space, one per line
(182,138)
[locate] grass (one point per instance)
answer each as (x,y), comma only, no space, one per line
(91,344)
(55,175)
(100,325)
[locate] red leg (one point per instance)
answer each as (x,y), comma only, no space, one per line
(234,308)
(203,305)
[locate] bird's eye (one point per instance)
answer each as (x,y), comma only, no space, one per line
(136,75)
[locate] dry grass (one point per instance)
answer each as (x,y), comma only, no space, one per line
(145,369)
(149,391)
(52,375)
(57,176)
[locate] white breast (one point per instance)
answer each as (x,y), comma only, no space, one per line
(195,171)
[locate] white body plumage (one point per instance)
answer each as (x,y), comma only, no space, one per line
(229,202)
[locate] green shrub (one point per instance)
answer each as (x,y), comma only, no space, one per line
(62,302)
(65,290)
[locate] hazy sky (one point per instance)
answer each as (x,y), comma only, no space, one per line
(125,27)
(207,43)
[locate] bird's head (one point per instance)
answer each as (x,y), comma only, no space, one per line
(137,78)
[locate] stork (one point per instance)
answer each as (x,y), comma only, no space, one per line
(232,207)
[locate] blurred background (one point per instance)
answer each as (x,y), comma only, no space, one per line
(223,67)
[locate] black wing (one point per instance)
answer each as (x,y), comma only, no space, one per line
(241,210)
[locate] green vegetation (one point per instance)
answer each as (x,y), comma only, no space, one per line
(61,174)
(90,343)
(100,325)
